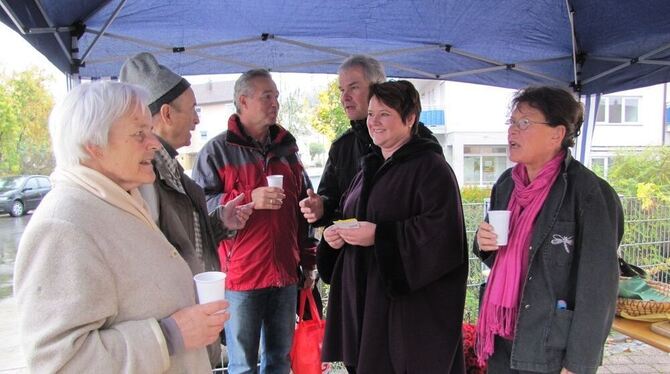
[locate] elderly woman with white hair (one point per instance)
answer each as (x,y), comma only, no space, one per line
(98,287)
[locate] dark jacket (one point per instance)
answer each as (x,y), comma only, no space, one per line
(176,221)
(573,258)
(267,252)
(344,162)
(397,307)
(176,218)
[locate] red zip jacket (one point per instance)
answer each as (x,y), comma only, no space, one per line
(267,252)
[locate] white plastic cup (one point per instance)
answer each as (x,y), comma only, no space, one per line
(211,286)
(276,180)
(499,219)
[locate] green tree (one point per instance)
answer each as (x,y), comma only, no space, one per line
(294,113)
(9,133)
(316,149)
(645,175)
(24,143)
(329,118)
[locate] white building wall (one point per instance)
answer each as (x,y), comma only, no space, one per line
(475,115)
(476,108)
(457,140)
(213,121)
(647,132)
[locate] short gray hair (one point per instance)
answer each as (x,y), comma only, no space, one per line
(373,70)
(86,115)
(243,84)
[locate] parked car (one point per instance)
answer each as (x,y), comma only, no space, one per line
(22,193)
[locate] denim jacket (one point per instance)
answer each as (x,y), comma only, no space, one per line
(573,258)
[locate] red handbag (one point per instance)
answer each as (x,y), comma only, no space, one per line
(308,338)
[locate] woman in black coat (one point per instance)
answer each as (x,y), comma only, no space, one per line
(398,279)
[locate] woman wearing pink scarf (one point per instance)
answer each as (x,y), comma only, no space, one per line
(550,298)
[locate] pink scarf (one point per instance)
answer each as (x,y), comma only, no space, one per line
(500,305)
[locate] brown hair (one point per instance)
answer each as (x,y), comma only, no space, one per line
(559,107)
(402,97)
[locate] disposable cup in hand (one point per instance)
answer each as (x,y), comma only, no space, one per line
(276,181)
(211,286)
(499,219)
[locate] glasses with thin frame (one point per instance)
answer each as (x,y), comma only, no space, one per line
(523,123)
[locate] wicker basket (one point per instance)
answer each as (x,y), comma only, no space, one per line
(636,308)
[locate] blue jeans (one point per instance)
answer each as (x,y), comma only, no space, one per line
(267,316)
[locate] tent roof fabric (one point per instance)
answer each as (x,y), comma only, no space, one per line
(507,43)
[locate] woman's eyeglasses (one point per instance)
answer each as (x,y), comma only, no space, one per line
(523,123)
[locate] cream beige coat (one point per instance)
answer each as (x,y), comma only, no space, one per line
(91,281)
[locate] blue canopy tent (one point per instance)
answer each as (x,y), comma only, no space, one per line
(593,47)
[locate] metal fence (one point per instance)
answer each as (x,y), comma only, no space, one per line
(646,243)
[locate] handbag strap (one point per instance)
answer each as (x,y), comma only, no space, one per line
(306,294)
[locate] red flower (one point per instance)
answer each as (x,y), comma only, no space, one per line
(469,338)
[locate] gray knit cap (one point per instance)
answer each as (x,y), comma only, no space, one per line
(163,84)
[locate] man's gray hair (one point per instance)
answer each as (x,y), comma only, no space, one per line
(373,70)
(86,115)
(244,87)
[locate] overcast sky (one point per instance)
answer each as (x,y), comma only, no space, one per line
(19,55)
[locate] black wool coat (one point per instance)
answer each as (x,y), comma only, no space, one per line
(397,306)
(344,162)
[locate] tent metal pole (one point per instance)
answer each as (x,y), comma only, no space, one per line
(223,43)
(626,60)
(543,61)
(471,72)
(630,62)
(573,34)
(104,28)
(665,109)
(223,59)
(131,39)
(334,60)
(607,72)
(56,34)
(48,30)
(164,49)
(19,26)
(655,51)
(404,51)
(407,68)
(654,62)
(377,54)
(474,56)
(74,79)
(610,59)
(543,76)
(310,46)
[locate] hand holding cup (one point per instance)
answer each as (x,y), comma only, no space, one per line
(270,198)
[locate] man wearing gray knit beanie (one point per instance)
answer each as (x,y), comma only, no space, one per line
(176,202)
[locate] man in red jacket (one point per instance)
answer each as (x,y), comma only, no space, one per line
(262,261)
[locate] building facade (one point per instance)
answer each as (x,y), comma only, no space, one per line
(469,121)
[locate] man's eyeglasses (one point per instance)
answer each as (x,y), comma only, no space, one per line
(523,123)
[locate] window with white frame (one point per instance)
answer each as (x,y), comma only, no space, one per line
(601,165)
(618,110)
(483,164)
